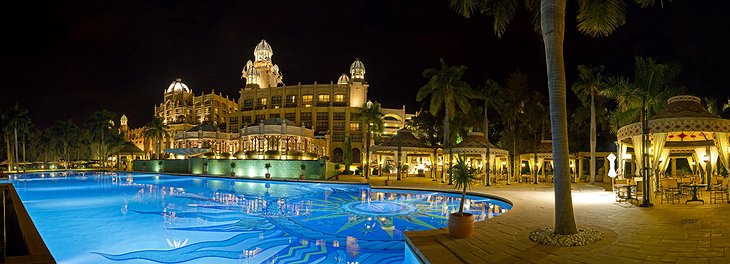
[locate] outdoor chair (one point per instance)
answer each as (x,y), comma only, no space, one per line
(671,190)
(620,192)
(719,191)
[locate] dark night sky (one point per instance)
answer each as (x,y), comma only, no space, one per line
(65,59)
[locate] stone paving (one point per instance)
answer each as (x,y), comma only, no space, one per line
(664,233)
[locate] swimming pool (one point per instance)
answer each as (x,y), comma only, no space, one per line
(105,217)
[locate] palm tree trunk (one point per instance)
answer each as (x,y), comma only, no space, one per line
(15,130)
(367,153)
(24,160)
(447,141)
(593,140)
(552,22)
(8,150)
(486,136)
(515,156)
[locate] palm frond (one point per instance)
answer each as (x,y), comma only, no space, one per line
(463,7)
(600,18)
(503,12)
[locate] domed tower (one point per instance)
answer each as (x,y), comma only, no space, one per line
(358,86)
(357,70)
(266,73)
(343,80)
(123,127)
(177,102)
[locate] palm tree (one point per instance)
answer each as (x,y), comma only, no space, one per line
(489,94)
(637,100)
(100,124)
(347,154)
(446,91)
(372,119)
(595,18)
(535,117)
(156,130)
(64,134)
(513,104)
(587,87)
(427,128)
(16,120)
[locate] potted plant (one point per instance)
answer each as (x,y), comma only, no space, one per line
(233,167)
(337,171)
(462,224)
(404,170)
(303,167)
(268,166)
(388,167)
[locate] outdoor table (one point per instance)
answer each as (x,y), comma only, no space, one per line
(695,187)
(628,190)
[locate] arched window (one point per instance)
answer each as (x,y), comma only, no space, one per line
(337,155)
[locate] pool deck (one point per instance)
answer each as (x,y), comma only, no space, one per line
(664,233)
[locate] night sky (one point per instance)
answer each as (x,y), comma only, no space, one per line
(65,59)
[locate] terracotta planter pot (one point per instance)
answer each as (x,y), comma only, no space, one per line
(301,176)
(388,182)
(337,177)
(268,175)
(461,226)
(233,174)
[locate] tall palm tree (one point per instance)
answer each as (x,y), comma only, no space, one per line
(535,117)
(489,93)
(638,99)
(64,134)
(156,130)
(100,124)
(587,87)
(446,91)
(16,121)
(427,128)
(595,18)
(513,104)
(372,119)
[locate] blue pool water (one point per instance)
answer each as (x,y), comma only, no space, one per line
(157,218)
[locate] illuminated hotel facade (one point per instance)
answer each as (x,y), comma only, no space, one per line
(331,110)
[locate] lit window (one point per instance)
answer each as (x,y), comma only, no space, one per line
(339,98)
(323,98)
(307,100)
(355,126)
(262,101)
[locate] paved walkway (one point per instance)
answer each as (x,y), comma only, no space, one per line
(665,233)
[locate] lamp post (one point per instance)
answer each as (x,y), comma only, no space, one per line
(708,171)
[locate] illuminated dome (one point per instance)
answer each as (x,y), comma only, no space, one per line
(123,120)
(343,79)
(178,86)
(263,51)
(357,69)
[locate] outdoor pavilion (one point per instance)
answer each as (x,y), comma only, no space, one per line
(474,149)
(540,157)
(405,149)
(684,129)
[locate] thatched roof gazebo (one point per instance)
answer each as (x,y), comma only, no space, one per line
(542,154)
(475,145)
(403,145)
(684,129)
